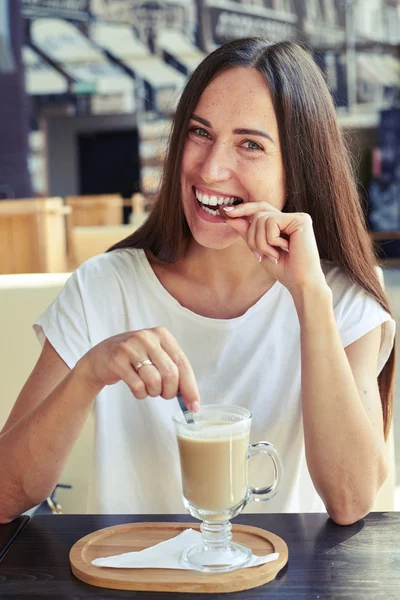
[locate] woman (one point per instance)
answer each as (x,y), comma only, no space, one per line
(253,282)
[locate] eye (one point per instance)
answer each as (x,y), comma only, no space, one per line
(253,146)
(199,131)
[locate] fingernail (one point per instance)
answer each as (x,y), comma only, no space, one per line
(273,260)
(257,255)
(228,208)
(195,407)
(285,249)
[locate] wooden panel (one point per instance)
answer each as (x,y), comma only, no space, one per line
(20,251)
(6,256)
(32,233)
(95,210)
(26,245)
(105,209)
(53,233)
(90,241)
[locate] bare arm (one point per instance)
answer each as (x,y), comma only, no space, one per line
(40,433)
(343,426)
(55,402)
(342,415)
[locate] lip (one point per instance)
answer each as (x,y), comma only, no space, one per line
(203,215)
(209,192)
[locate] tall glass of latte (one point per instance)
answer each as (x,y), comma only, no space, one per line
(214,452)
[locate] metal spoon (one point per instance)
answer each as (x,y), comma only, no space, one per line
(186,413)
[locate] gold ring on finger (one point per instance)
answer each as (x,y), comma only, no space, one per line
(142,363)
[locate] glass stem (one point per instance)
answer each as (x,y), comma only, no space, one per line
(216,536)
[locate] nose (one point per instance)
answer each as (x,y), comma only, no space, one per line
(218,164)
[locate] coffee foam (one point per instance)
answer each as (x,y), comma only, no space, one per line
(218,430)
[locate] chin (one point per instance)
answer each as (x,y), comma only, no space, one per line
(214,242)
(214,236)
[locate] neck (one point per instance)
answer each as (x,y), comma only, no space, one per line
(225,271)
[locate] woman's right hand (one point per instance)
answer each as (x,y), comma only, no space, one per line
(115,360)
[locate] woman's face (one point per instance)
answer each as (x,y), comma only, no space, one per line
(232,152)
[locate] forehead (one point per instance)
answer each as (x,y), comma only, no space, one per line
(236,93)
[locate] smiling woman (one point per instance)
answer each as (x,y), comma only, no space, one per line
(252,283)
(236,154)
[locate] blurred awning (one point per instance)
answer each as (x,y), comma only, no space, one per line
(63,42)
(102,77)
(121,42)
(79,58)
(181,48)
(380,69)
(156,72)
(40,77)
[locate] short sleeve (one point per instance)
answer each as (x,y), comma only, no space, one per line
(357,313)
(64,323)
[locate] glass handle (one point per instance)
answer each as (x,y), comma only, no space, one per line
(259,494)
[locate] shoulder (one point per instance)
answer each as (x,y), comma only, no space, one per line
(343,288)
(103,269)
(106,276)
(349,298)
(357,311)
(335,276)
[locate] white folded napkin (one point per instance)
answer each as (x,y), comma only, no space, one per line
(167,555)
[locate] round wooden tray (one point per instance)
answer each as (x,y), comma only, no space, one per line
(137,536)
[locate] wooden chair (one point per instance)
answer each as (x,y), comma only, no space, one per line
(138,214)
(90,241)
(32,236)
(105,209)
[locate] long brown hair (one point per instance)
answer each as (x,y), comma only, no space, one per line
(318,171)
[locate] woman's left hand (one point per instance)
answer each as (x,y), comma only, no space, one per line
(284,241)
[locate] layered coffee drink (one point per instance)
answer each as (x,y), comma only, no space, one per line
(214,451)
(214,465)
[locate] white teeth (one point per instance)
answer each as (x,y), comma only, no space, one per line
(213,200)
(211,212)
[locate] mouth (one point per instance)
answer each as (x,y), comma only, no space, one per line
(210,204)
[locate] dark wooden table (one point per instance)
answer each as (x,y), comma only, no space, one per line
(9,532)
(326,561)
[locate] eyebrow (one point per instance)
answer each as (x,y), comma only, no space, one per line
(240,131)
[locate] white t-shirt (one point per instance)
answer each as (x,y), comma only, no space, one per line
(252,361)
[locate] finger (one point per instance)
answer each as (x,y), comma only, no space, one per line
(168,371)
(273,234)
(139,349)
(249,209)
(262,244)
(151,378)
(256,240)
(187,381)
(248,231)
(134,382)
(240,225)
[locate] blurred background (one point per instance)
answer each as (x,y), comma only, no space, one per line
(87,92)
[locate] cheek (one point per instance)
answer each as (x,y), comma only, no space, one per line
(265,182)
